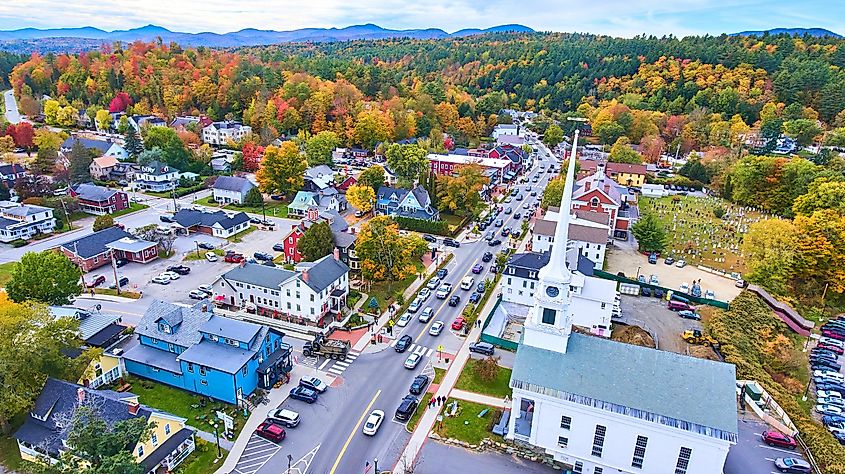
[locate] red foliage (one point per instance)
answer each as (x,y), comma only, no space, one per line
(448,143)
(22,134)
(120,102)
(252,154)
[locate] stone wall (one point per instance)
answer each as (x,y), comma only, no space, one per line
(516,448)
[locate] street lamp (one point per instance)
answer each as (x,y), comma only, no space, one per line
(217,436)
(375,461)
(198,248)
(290,458)
(638,273)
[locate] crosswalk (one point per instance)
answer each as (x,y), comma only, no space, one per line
(416,349)
(339,365)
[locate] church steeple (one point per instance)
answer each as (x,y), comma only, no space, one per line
(549,322)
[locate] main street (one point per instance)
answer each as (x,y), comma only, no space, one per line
(12,114)
(329,439)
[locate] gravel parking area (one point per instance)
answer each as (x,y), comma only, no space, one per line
(652,315)
(623,257)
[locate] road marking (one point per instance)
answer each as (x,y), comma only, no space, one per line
(260,450)
(393,342)
(411,348)
(420,350)
(787,451)
(354,430)
(335,370)
(428,354)
(324,364)
(440,308)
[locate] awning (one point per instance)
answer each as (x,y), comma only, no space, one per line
(509,175)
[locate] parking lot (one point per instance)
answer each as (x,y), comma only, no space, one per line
(652,315)
(750,454)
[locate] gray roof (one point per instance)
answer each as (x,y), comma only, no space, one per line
(221,357)
(259,275)
(58,402)
(157,168)
(233,183)
(129,244)
(192,217)
(344,239)
(92,192)
(323,272)
(90,323)
(100,145)
(23,210)
(186,321)
(95,244)
(663,383)
(242,331)
(153,357)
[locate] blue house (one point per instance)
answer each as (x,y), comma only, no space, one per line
(411,203)
(191,348)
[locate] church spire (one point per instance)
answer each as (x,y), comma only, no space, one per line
(557,260)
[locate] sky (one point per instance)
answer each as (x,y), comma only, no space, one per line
(614,17)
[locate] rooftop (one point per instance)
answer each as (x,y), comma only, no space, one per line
(323,272)
(193,217)
(95,244)
(259,275)
(233,183)
(467,159)
(185,320)
(242,331)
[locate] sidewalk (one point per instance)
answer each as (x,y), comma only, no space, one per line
(478,398)
(276,396)
(224,443)
(428,419)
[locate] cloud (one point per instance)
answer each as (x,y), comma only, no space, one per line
(615,17)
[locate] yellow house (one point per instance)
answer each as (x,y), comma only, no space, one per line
(102,370)
(43,436)
(626,174)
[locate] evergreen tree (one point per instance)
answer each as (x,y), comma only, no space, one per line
(133,143)
(80,159)
(317,242)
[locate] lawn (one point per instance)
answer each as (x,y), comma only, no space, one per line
(466,425)
(420,411)
(113,292)
(178,402)
(271,208)
(470,381)
(239,237)
(6,270)
(201,461)
(133,207)
(438,375)
(385,292)
(10,457)
(201,255)
(697,235)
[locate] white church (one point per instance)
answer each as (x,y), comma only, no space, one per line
(600,406)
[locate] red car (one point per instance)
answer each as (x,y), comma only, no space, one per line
(271,431)
(776,438)
(234,258)
(833,335)
(458,324)
(97,281)
(831,348)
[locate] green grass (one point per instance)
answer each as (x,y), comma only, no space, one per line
(466,425)
(201,461)
(201,256)
(271,208)
(239,237)
(133,207)
(113,292)
(10,457)
(178,402)
(385,291)
(421,409)
(471,382)
(6,270)
(439,374)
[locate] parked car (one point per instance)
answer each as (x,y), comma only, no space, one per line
(506,231)
(689,315)
(482,348)
(652,258)
(436,328)
(458,323)
(679,306)
(494,242)
(161,280)
(477,268)
(303,394)
(406,408)
(233,258)
(287,418)
(373,422)
(403,343)
(262,256)
(404,319)
(776,438)
(211,257)
(741,284)
(684,288)
(433,283)
(197,295)
(415,305)
(279,247)
(429,238)
(499,223)
(96,281)
(441,274)
(475,297)
(120,262)
(443,291)
(658,293)
(669,261)
(179,269)
(412,361)
(426,314)
(792,465)
(270,430)
(653,280)
(123,282)
(487,257)
(480,288)
(829,410)
(681,263)
(165,218)
(645,291)
(205,246)
(709,294)
(170,275)
(423,294)
(419,384)
(642,279)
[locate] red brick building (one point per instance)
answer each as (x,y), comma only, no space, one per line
(100,199)
(598,193)
(98,249)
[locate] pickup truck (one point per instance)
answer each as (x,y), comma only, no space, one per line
(328,348)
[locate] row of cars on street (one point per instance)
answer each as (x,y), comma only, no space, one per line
(273,427)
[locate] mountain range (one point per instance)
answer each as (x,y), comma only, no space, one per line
(791,31)
(245,37)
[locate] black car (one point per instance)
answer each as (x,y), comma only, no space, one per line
(442,273)
(506,231)
(451,243)
(304,394)
(279,247)
(669,261)
(499,223)
(419,384)
(406,408)
(517,215)
(262,256)
(487,257)
(494,242)
(254,220)
(166,219)
(268,263)
(180,269)
(206,246)
(276,197)
(645,291)
(658,293)
(123,282)
(120,262)
(430,238)
(482,348)
(825,364)
(403,343)
(454,300)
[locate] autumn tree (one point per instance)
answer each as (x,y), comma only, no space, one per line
(770,249)
(386,254)
(361,197)
(281,169)
(173,151)
(821,261)
(48,277)
(103,119)
(316,242)
(621,152)
(407,161)
(372,177)
(822,193)
(371,127)
(461,193)
(487,368)
(103,222)
(553,135)
(553,193)
(251,154)
(650,233)
(802,130)
(318,148)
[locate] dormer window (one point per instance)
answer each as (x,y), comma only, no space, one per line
(164,327)
(532,274)
(213,337)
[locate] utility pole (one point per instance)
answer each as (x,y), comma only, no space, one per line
(263,212)
(81,272)
(67,216)
(114,270)
(173,193)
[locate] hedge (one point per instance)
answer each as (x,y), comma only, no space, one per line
(185,191)
(744,332)
(420,225)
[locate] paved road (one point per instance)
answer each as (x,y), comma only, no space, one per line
(329,439)
(750,455)
(439,458)
(12,114)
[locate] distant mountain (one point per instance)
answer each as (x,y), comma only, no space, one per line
(76,38)
(791,31)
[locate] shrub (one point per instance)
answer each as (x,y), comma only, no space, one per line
(18,243)
(420,225)
(719,212)
(488,368)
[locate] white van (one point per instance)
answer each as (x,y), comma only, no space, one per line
(467,283)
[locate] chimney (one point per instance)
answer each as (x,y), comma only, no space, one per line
(305,275)
(587,185)
(133,407)
(607,188)
(80,394)
(204,308)
(336,254)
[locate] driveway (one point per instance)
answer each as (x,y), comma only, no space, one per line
(11,108)
(623,257)
(437,458)
(652,315)
(749,454)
